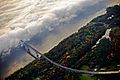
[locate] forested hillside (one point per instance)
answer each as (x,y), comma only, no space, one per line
(77,52)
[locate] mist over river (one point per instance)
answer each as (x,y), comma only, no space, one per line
(42,23)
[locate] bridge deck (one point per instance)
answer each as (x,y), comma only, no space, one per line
(28,47)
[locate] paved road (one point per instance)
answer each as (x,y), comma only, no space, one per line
(28,47)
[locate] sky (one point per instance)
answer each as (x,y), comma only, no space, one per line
(42,23)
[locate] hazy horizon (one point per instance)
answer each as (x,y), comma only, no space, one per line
(43,23)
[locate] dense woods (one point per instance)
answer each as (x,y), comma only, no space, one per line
(76,52)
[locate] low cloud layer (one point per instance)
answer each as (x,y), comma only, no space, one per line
(37,16)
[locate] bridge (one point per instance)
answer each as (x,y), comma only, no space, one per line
(36,54)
